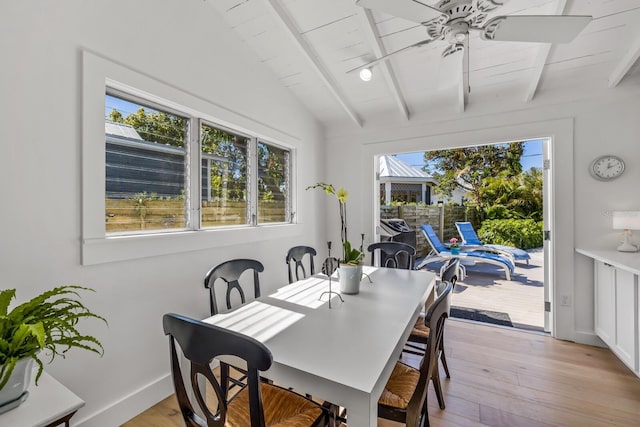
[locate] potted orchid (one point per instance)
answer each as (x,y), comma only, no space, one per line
(453,247)
(351,261)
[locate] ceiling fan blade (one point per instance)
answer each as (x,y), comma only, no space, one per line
(466,87)
(535,28)
(411,10)
(454,72)
(387,56)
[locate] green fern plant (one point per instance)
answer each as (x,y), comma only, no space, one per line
(47,321)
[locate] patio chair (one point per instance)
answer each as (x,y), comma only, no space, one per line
(470,241)
(440,253)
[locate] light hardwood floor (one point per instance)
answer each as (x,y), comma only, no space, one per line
(510,378)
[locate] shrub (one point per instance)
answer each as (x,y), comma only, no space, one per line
(521,233)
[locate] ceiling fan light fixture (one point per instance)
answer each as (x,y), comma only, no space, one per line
(460,37)
(366,74)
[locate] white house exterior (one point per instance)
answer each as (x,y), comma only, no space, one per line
(400,180)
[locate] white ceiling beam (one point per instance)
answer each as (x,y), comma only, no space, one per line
(311,56)
(541,58)
(622,69)
(372,36)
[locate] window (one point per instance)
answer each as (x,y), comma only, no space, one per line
(150,162)
(273,184)
(145,167)
(224,177)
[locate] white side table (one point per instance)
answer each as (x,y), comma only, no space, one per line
(49,404)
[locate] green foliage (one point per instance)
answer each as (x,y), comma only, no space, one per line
(227,174)
(47,321)
(467,168)
(513,196)
(399,203)
(228,167)
(157,126)
(349,255)
(271,172)
(521,233)
(141,200)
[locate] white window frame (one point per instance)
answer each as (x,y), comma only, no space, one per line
(98,247)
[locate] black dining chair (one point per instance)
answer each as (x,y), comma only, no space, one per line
(421,333)
(295,262)
(228,274)
(257,405)
(404,398)
(393,254)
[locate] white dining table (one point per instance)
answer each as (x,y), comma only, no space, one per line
(343,354)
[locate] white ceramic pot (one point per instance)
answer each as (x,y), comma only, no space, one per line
(350,276)
(18,383)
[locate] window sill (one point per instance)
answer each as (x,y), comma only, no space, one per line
(123,247)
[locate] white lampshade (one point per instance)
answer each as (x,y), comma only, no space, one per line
(626,220)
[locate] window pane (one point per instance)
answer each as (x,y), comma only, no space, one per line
(224,177)
(145,167)
(273,184)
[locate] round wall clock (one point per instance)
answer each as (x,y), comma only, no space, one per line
(606,168)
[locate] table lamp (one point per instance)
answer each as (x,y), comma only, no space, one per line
(626,221)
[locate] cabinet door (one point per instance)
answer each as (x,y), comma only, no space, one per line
(625,344)
(604,276)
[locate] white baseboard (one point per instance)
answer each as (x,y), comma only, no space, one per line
(131,405)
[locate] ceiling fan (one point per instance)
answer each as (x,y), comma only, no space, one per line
(451,20)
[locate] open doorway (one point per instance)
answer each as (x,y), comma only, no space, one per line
(501,193)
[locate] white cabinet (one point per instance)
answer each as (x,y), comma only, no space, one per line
(626,344)
(616,311)
(605,323)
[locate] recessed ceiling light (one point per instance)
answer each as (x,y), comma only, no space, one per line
(366,74)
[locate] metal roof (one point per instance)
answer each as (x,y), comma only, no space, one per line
(120,129)
(394,169)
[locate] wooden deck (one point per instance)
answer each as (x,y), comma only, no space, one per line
(522,298)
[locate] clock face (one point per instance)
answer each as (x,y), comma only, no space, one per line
(607,167)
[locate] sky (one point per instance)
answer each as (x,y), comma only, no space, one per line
(531,157)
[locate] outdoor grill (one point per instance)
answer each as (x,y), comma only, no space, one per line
(397,230)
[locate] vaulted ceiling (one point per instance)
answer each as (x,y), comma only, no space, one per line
(311,44)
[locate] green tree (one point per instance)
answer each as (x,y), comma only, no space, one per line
(228,171)
(468,168)
(271,172)
(513,197)
(228,175)
(156,126)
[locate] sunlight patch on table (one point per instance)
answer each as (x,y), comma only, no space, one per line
(307,292)
(257,320)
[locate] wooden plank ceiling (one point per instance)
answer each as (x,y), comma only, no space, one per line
(310,45)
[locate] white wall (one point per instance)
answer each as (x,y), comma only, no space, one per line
(186,45)
(588,126)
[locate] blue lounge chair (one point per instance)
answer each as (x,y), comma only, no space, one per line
(471,241)
(440,253)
